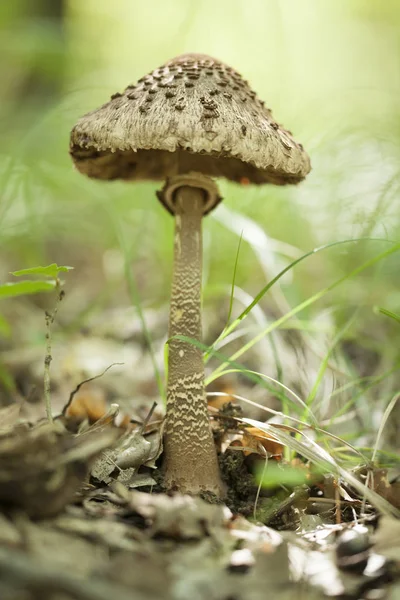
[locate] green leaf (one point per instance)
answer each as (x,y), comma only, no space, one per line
(389,313)
(50,271)
(20,288)
(275,475)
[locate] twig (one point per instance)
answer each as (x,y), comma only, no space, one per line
(148,417)
(260,483)
(49,320)
(78,387)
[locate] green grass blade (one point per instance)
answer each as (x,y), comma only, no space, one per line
(234,279)
(308,302)
(319,430)
(371,382)
(276,382)
(227,330)
(383,422)
(258,379)
(321,371)
(389,313)
(315,453)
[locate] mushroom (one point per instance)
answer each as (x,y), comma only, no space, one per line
(192,119)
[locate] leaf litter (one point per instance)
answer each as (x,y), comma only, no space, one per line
(84,515)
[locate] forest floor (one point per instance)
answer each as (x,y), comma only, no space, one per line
(84,515)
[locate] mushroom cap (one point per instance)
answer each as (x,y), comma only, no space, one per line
(192,114)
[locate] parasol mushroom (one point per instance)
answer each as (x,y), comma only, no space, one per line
(192,119)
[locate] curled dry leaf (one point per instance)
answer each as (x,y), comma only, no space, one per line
(182,517)
(88,405)
(386,489)
(253,441)
(42,468)
(122,462)
(261,442)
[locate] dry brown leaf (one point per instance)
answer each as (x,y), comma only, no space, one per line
(42,468)
(258,441)
(383,487)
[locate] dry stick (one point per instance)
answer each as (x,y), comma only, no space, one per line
(78,387)
(147,419)
(338,514)
(260,484)
(49,320)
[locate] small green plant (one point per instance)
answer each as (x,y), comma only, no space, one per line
(49,281)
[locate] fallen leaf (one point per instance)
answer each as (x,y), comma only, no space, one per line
(182,517)
(9,417)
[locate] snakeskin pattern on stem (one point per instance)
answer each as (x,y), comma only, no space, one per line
(191,462)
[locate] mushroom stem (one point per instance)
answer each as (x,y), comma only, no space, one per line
(191,464)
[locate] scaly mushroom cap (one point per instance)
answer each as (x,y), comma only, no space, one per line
(192,114)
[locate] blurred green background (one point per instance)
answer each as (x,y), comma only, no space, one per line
(330,71)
